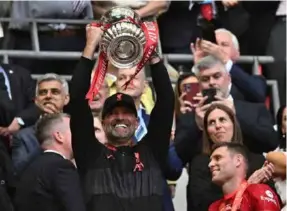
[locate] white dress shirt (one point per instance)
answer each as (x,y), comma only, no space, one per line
(281,11)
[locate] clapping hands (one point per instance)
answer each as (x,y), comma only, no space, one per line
(262,175)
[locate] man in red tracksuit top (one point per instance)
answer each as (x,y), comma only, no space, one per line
(228,166)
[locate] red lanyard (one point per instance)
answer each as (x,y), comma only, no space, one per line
(238,198)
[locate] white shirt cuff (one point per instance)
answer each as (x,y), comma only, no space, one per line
(228,65)
(20,121)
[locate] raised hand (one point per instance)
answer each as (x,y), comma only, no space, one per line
(213,49)
(94,34)
(196,50)
(93,37)
(229,3)
(200,110)
(185,106)
(262,175)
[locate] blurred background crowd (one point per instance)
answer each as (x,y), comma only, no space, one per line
(28,81)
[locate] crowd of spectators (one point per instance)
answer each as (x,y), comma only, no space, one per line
(240,113)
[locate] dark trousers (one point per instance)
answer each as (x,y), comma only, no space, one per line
(277,48)
(49,41)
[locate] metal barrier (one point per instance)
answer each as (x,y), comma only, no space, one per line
(36,53)
(54,55)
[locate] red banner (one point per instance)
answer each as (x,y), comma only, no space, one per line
(150,30)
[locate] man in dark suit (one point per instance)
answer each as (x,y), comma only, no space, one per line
(51,182)
(6,167)
(21,91)
(247,87)
(52,94)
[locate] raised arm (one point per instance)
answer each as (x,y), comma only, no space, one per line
(161,118)
(253,87)
(84,141)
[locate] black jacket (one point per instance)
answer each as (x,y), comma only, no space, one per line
(23,94)
(50,183)
(110,182)
(7,185)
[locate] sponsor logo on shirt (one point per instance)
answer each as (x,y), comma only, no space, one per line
(269,197)
(269,194)
(225,208)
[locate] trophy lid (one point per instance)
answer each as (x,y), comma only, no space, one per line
(116,14)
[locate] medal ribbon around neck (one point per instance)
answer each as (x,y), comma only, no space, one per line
(238,198)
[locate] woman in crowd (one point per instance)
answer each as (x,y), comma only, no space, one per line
(220,125)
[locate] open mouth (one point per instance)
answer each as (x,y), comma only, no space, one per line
(48,103)
(121,126)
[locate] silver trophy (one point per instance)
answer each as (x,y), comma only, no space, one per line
(123,42)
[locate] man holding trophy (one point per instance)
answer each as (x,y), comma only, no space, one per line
(121,175)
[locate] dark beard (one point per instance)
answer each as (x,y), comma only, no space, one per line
(118,140)
(113,137)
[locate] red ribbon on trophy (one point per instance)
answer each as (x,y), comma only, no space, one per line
(150,30)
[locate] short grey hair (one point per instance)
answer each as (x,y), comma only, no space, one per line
(46,125)
(53,77)
(206,63)
(233,37)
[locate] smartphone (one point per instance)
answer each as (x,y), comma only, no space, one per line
(211,95)
(207,30)
(191,89)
